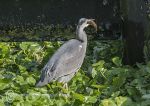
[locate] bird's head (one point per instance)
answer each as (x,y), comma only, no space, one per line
(83,23)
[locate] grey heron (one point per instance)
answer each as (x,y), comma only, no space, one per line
(68,59)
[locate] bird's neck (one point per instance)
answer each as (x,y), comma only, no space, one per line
(81,35)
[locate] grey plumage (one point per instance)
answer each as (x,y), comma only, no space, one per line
(68,58)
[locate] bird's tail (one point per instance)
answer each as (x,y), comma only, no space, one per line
(45,78)
(40,83)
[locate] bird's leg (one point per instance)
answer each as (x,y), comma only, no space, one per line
(65,86)
(65,91)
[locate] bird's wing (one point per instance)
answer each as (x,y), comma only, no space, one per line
(67,59)
(71,60)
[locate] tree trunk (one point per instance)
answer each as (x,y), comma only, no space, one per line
(135,25)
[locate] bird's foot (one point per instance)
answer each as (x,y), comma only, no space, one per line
(65,86)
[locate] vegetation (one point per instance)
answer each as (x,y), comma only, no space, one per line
(103,80)
(37,33)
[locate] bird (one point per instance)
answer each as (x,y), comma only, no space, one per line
(67,60)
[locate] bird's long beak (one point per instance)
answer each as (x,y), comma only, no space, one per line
(92,23)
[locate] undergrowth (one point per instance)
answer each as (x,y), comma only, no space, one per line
(102,81)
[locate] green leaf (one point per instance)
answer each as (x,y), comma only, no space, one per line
(20,80)
(78,96)
(26,103)
(33,96)
(24,46)
(4,49)
(99,86)
(22,68)
(2,102)
(43,90)
(100,64)
(18,97)
(60,102)
(107,102)
(131,91)
(117,61)
(94,72)
(90,99)
(118,81)
(30,80)
(124,101)
(4,83)
(115,94)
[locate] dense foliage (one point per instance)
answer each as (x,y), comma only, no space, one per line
(102,80)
